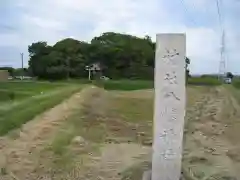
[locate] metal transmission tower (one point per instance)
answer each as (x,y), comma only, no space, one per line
(222,65)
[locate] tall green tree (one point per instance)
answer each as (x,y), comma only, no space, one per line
(72,56)
(38,53)
(123,55)
(120,55)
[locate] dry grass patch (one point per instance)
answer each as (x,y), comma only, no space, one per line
(98,121)
(136,172)
(107,124)
(134,110)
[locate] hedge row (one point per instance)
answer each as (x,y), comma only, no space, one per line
(136,85)
(204,81)
(127,85)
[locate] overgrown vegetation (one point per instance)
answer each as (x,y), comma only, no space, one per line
(126,85)
(128,108)
(236,83)
(103,117)
(29,87)
(121,56)
(204,81)
(136,172)
(22,102)
(82,123)
(129,85)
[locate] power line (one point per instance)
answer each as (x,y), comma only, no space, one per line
(187,12)
(222,65)
(219,13)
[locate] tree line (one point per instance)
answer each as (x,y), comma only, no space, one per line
(121,56)
(16,71)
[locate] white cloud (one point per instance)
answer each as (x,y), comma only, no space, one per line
(9,39)
(52,20)
(198,4)
(44,23)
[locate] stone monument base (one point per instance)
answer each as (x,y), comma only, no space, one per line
(147,175)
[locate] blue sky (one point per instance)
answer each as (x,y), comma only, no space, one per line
(25,21)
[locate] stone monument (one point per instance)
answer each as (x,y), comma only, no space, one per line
(169,109)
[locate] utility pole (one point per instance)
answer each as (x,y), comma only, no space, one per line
(22,65)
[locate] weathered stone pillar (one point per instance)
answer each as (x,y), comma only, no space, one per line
(169,109)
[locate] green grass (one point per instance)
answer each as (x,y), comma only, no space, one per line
(236,83)
(28,101)
(127,85)
(5,96)
(82,123)
(9,95)
(36,87)
(234,91)
(62,140)
(133,109)
(204,81)
(16,90)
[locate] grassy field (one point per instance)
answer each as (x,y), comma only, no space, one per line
(108,133)
(119,116)
(22,101)
(128,85)
(109,119)
(203,81)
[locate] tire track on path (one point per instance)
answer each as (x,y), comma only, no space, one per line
(206,144)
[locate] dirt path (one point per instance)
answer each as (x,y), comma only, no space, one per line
(113,160)
(18,157)
(211,145)
(21,156)
(207,145)
(113,157)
